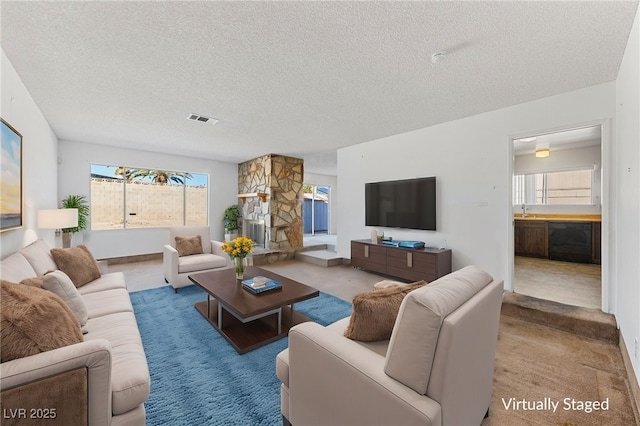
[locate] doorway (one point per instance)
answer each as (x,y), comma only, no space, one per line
(316,209)
(558,186)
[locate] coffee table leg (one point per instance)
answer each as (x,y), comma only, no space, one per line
(279,321)
(219,316)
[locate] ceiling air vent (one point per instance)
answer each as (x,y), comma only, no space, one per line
(202,119)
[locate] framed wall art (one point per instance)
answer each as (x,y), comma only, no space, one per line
(10,178)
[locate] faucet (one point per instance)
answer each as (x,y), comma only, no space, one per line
(524,210)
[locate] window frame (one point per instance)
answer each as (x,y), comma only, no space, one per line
(126,182)
(524,191)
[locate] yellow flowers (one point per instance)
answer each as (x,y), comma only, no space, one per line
(240,247)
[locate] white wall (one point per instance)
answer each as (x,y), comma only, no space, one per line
(627,183)
(472,160)
(331,182)
(39,151)
(563,160)
(74,178)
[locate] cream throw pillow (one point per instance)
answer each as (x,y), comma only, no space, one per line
(59,283)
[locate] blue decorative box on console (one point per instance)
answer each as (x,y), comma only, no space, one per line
(411,244)
(405,244)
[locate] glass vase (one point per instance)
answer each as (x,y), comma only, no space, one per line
(239,264)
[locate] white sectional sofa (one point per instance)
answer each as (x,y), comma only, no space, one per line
(111,358)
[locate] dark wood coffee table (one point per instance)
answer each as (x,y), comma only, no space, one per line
(249,320)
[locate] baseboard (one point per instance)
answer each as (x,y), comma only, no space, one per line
(633,380)
(133,259)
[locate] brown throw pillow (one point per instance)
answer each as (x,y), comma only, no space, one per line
(374,313)
(34,320)
(78,263)
(187,246)
(33,282)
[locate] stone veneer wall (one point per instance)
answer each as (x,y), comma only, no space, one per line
(281,178)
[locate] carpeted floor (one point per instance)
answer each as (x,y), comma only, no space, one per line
(197,378)
(560,367)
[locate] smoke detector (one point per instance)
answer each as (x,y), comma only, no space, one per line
(202,119)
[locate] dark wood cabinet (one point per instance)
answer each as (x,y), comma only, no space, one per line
(408,264)
(369,256)
(596,242)
(535,238)
(531,238)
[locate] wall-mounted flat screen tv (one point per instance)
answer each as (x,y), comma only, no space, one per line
(408,203)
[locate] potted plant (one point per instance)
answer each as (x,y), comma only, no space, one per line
(231,216)
(75,202)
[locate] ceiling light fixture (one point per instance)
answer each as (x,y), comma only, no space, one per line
(202,119)
(437,57)
(542,152)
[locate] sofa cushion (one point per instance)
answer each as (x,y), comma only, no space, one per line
(16,268)
(415,334)
(38,254)
(186,246)
(110,281)
(199,262)
(374,313)
(379,346)
(34,320)
(130,381)
(78,263)
(108,302)
(59,283)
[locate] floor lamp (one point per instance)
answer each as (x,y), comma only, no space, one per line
(58,219)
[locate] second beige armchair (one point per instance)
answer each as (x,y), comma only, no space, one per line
(177,268)
(436,370)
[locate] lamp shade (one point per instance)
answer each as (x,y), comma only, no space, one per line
(57,218)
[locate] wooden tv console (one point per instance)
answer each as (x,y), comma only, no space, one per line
(426,264)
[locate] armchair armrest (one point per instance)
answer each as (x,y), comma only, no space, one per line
(93,356)
(334,380)
(104,266)
(170,263)
(216,248)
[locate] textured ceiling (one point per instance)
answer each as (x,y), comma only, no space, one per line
(297,78)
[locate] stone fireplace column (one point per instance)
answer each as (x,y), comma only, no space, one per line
(281,179)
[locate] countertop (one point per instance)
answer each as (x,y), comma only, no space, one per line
(559,217)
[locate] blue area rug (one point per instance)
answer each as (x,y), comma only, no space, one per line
(197,378)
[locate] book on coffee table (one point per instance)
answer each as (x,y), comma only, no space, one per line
(270,284)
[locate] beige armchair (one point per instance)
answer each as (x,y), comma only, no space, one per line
(437,368)
(177,268)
